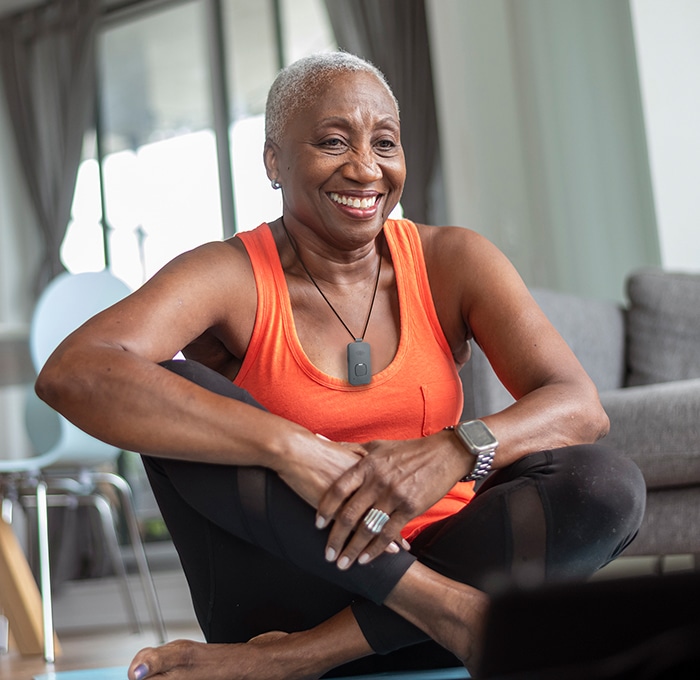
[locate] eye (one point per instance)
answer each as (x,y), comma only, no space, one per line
(333,144)
(386,146)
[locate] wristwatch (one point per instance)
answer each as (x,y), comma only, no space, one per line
(481,443)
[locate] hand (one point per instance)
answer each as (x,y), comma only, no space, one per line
(317,464)
(401,478)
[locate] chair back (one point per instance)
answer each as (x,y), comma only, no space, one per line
(66,303)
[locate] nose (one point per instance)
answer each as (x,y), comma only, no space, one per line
(363,167)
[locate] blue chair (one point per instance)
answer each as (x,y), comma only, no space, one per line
(69,466)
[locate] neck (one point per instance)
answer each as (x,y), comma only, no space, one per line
(304,253)
(357,338)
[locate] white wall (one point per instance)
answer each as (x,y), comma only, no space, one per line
(667,38)
(542,136)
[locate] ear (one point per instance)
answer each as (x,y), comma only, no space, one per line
(271,160)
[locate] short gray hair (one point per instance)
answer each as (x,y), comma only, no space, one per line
(297,85)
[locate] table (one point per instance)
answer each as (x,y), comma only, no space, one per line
(19,595)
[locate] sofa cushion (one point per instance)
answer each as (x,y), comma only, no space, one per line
(663,327)
(657,426)
(594,330)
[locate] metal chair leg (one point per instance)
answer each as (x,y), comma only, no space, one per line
(112,544)
(126,498)
(42,514)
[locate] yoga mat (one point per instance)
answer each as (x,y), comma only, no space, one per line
(119,673)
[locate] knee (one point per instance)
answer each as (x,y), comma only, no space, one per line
(610,482)
(209,379)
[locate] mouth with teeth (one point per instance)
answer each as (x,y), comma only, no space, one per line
(364,203)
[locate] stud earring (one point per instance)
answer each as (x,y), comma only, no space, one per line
(275,184)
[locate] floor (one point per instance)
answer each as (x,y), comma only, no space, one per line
(100,646)
(105,648)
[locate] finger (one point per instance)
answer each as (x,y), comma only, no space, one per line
(337,495)
(346,523)
(366,545)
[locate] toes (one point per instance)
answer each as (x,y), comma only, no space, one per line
(151,662)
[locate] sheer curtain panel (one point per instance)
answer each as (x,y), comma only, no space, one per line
(47,61)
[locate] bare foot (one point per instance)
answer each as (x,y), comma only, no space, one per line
(271,656)
(451,613)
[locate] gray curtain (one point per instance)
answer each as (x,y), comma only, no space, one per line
(47,60)
(393,35)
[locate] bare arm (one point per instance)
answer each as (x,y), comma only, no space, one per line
(106,379)
(477,294)
(556,403)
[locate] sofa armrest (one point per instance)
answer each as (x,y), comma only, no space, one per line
(658,427)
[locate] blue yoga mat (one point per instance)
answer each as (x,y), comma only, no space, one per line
(119,673)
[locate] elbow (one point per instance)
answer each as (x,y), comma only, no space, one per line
(52,384)
(597,420)
(47,385)
(602,424)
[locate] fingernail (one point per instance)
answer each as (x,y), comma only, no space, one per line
(343,563)
(330,555)
(321,522)
(141,671)
(363,559)
(393,548)
(406,544)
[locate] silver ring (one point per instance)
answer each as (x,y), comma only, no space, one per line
(374,520)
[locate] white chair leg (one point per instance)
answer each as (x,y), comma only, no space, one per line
(126,498)
(42,514)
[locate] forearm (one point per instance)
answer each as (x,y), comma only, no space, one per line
(550,417)
(133,403)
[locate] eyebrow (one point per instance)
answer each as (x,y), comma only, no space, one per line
(386,121)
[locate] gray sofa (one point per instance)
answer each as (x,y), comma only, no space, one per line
(645,360)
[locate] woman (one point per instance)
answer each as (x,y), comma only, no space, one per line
(324,515)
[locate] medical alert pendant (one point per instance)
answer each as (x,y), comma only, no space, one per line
(359,366)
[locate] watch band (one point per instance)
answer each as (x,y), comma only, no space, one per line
(482,467)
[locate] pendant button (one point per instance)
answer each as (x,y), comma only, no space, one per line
(360,369)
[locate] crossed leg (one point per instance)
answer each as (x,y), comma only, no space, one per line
(419,601)
(448,612)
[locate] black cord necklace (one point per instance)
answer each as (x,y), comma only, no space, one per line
(358,351)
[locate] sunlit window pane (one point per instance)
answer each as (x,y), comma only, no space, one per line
(160,173)
(306,28)
(251,54)
(252,65)
(82,249)
(159,167)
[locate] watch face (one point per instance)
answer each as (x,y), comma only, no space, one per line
(478,434)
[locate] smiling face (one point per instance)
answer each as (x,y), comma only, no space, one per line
(340,160)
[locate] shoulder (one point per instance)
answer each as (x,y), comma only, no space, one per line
(445,243)
(207,285)
(458,258)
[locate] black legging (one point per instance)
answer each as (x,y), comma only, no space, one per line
(254,560)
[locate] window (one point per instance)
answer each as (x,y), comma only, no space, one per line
(157,189)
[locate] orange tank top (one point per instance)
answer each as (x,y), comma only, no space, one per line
(417,394)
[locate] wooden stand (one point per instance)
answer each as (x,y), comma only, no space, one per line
(19,595)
